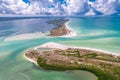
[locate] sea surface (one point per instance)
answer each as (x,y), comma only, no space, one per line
(94,32)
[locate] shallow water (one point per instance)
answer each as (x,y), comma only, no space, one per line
(101,33)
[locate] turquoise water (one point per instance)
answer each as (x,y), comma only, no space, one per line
(100,33)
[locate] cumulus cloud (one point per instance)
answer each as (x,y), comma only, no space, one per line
(90,13)
(107,7)
(74,6)
(60,7)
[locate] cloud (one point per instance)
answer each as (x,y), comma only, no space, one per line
(107,7)
(74,6)
(60,7)
(90,13)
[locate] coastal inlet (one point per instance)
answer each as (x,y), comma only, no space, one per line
(19,35)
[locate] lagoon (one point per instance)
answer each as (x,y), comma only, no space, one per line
(94,32)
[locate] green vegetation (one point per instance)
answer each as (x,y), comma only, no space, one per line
(94,69)
(105,66)
(91,54)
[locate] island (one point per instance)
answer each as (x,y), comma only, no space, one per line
(61,28)
(53,56)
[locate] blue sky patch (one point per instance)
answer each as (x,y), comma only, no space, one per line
(92,0)
(27,2)
(51,6)
(63,2)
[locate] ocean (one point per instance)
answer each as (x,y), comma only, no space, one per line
(94,32)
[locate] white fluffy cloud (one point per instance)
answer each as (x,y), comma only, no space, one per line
(90,13)
(107,7)
(74,6)
(59,7)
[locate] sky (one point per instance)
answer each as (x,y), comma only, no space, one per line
(60,7)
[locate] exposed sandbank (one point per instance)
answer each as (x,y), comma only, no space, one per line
(31,60)
(25,36)
(72,32)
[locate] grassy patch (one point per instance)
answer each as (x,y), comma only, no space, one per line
(94,69)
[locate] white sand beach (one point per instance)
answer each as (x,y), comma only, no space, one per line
(72,32)
(61,46)
(31,60)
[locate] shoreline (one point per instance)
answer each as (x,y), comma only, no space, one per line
(36,35)
(30,59)
(62,46)
(62,29)
(72,33)
(58,60)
